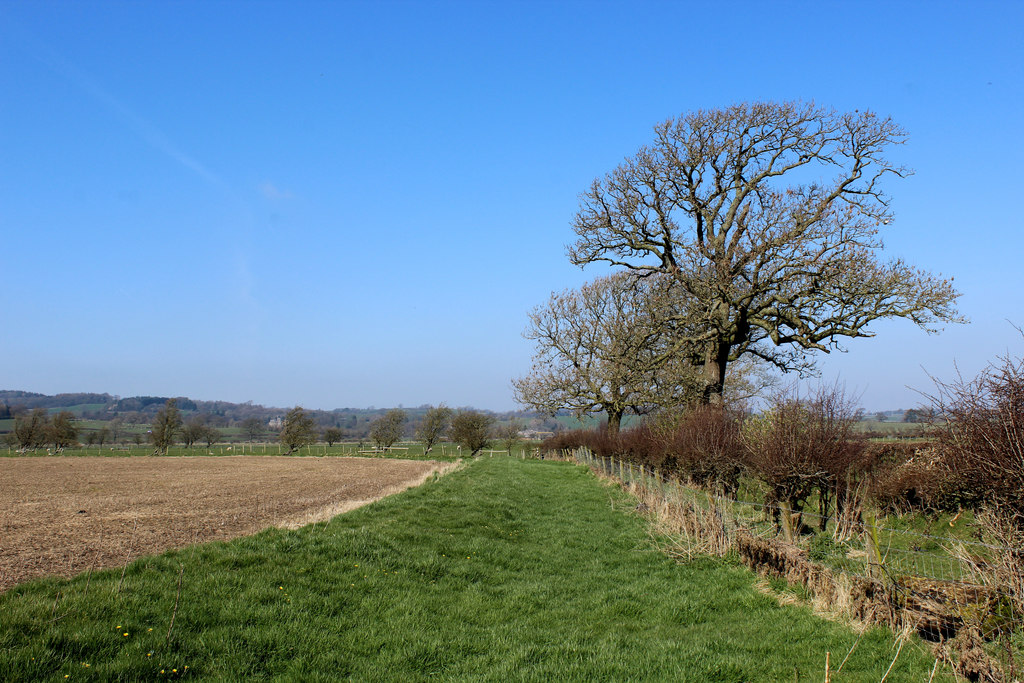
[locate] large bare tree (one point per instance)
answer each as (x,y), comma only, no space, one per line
(606,347)
(767,215)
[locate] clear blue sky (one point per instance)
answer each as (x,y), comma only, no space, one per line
(356,203)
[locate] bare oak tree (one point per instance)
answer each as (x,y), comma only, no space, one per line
(607,347)
(768,216)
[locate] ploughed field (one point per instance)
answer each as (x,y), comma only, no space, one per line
(62,516)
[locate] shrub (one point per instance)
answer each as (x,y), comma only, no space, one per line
(471,430)
(802,445)
(981,437)
(908,477)
(700,444)
(703,445)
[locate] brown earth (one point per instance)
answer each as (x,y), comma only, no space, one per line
(62,516)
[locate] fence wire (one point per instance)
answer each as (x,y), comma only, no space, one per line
(947,585)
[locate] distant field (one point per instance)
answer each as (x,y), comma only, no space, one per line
(894,428)
(406,450)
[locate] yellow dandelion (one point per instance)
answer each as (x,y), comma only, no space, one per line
(126,635)
(174,671)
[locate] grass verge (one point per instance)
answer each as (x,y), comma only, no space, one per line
(505,569)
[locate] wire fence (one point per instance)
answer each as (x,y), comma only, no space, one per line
(950,590)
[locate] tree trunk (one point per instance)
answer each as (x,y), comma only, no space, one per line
(614,420)
(825,494)
(715,361)
(787,515)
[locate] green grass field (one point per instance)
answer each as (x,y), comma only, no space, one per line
(446,452)
(506,569)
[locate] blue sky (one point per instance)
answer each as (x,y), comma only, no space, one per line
(344,204)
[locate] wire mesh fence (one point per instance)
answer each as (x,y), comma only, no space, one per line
(951,590)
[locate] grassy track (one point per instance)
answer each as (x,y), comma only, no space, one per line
(504,570)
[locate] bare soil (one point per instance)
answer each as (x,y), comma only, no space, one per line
(62,516)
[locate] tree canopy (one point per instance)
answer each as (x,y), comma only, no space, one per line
(607,347)
(768,217)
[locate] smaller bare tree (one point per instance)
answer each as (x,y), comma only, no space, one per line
(508,435)
(116,429)
(166,425)
(471,430)
(253,428)
(211,435)
(387,429)
(298,430)
(193,430)
(332,435)
(433,426)
(30,430)
(62,430)
(608,347)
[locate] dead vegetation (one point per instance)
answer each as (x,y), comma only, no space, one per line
(970,624)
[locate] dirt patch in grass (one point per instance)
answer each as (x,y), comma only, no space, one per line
(62,516)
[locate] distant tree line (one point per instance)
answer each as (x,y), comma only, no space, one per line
(38,429)
(170,424)
(123,417)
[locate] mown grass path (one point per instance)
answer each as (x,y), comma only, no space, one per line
(504,570)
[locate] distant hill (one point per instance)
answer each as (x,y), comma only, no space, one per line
(354,422)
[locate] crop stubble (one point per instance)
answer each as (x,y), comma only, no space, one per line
(62,516)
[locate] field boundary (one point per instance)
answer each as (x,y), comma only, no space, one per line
(944,594)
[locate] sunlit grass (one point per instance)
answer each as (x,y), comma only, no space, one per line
(504,570)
